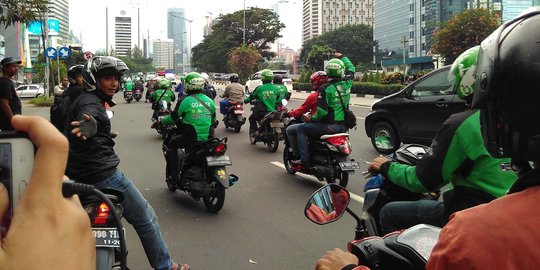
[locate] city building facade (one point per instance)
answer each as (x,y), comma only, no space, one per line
(176,30)
(122,28)
(512,8)
(163,54)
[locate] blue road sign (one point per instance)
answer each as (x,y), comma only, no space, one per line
(50,52)
(64,52)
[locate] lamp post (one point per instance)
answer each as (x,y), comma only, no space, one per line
(189,46)
(244,28)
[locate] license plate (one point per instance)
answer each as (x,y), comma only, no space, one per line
(277,124)
(238,111)
(107,237)
(218,161)
(349,165)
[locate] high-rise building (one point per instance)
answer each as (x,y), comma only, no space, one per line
(320,16)
(122,30)
(163,54)
(59,9)
(207,29)
(176,30)
(512,8)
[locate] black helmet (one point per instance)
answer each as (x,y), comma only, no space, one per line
(100,66)
(234,78)
(277,79)
(507,80)
(74,71)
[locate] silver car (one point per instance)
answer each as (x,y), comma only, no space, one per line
(30,90)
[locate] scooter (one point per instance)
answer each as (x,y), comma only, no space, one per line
(161,111)
(408,249)
(137,94)
(202,172)
(234,117)
(270,128)
(128,95)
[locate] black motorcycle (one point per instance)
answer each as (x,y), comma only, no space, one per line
(409,249)
(202,172)
(270,128)
(128,95)
(234,117)
(161,110)
(329,157)
(137,93)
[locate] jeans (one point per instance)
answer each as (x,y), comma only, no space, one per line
(404,214)
(312,131)
(139,213)
(292,132)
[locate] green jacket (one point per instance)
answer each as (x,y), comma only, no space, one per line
(459,158)
(128,86)
(267,93)
(168,96)
(193,113)
(282,90)
(329,106)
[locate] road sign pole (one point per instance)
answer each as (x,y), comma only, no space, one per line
(58,64)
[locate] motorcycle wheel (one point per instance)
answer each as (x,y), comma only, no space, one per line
(252,139)
(287,163)
(137,99)
(341,178)
(128,101)
(273,142)
(215,202)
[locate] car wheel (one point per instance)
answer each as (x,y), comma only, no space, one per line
(384,138)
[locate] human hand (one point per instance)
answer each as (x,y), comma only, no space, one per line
(338,55)
(85,128)
(47,230)
(375,165)
(306,118)
(114,134)
(335,260)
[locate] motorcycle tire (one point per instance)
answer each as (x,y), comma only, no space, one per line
(128,101)
(252,139)
(287,163)
(215,202)
(341,178)
(237,129)
(273,142)
(137,99)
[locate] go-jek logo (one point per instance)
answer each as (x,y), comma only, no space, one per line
(197,81)
(333,66)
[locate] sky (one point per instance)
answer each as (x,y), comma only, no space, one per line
(88,18)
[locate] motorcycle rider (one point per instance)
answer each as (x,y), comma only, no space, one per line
(92,159)
(193,126)
(209,89)
(459,157)
(164,92)
(283,92)
(60,108)
(128,85)
(75,82)
(503,232)
(234,93)
(317,79)
(329,117)
(266,96)
(149,88)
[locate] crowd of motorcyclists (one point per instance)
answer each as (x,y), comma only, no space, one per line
(487,216)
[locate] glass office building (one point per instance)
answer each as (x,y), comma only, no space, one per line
(512,8)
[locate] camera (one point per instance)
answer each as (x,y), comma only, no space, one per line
(16,164)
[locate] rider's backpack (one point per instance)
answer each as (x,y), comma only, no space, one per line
(59,112)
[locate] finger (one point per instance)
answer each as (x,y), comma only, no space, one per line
(75,130)
(50,158)
(4,202)
(75,123)
(86,117)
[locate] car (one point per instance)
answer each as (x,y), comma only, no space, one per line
(414,114)
(30,90)
(255,80)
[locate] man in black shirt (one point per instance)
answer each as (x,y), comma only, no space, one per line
(9,101)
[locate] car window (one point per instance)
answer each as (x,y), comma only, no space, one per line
(256,76)
(33,87)
(20,88)
(434,85)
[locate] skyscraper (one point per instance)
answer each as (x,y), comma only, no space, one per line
(163,54)
(512,8)
(176,30)
(122,29)
(60,11)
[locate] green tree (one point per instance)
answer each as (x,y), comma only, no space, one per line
(377,77)
(12,11)
(136,52)
(354,41)
(243,60)
(262,30)
(371,78)
(364,77)
(463,31)
(317,55)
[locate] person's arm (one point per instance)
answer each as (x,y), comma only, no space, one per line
(177,112)
(308,104)
(322,104)
(227,91)
(47,230)
(338,259)
(6,109)
(58,91)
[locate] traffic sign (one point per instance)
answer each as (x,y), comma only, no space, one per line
(88,55)
(45,64)
(27,70)
(50,52)
(64,52)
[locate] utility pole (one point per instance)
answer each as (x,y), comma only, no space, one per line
(404,41)
(244,28)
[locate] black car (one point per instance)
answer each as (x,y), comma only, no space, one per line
(414,114)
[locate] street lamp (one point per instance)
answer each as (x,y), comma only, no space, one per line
(244,29)
(189,46)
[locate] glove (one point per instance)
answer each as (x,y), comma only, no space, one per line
(85,128)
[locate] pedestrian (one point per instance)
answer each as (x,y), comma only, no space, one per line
(59,89)
(9,100)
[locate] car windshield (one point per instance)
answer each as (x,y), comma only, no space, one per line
(284,75)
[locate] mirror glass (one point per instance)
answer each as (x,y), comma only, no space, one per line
(327,204)
(284,102)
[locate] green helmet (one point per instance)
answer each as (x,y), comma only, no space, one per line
(267,75)
(462,72)
(194,82)
(335,68)
(164,84)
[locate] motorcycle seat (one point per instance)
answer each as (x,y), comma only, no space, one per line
(326,136)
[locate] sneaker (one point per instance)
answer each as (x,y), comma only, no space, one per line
(177,266)
(297,165)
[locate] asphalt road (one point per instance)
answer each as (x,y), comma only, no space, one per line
(261,226)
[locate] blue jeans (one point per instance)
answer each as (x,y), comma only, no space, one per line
(139,213)
(312,131)
(292,133)
(404,214)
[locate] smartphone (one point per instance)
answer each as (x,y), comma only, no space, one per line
(16,164)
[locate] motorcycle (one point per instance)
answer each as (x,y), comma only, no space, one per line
(128,95)
(270,128)
(160,112)
(202,172)
(329,157)
(407,249)
(233,118)
(110,251)
(137,94)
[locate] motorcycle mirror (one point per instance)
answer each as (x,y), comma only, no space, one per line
(110,114)
(327,204)
(284,102)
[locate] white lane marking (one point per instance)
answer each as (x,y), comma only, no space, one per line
(355,197)
(361,118)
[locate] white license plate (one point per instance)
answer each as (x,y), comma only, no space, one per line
(277,124)
(107,237)
(349,165)
(238,111)
(218,161)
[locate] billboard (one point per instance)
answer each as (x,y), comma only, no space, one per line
(34,27)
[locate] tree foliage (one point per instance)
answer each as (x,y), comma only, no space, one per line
(317,55)
(243,60)
(13,11)
(262,29)
(463,31)
(353,41)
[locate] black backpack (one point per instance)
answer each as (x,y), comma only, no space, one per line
(59,112)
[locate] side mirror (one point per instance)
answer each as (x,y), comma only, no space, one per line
(110,114)
(284,102)
(327,204)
